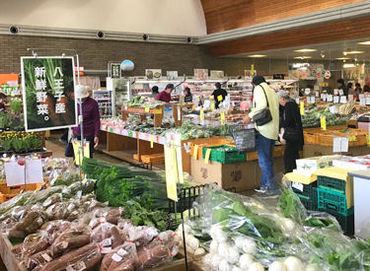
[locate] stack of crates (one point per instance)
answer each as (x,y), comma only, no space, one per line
(333,198)
(307,193)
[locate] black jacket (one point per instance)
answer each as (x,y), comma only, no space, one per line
(290,117)
(219,92)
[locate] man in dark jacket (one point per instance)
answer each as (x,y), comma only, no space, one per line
(219,94)
(290,121)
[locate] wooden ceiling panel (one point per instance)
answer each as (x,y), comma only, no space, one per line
(335,31)
(222,15)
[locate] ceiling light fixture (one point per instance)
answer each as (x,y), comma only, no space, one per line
(349,65)
(257,56)
(342,58)
(302,57)
(364,42)
(306,50)
(353,52)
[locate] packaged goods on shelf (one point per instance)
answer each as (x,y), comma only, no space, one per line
(308,166)
(354,163)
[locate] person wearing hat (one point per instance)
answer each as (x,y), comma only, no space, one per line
(165,95)
(90,117)
(292,130)
(265,98)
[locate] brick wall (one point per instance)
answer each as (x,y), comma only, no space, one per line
(95,55)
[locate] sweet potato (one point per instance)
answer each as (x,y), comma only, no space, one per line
(88,255)
(73,238)
(149,258)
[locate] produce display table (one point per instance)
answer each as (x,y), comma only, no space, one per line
(144,112)
(157,112)
(12,263)
(361,188)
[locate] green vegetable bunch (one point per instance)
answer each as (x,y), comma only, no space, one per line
(16,106)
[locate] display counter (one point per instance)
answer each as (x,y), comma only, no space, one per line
(361,188)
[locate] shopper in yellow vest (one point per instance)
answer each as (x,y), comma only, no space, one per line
(265,134)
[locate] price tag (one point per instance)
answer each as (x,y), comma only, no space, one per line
(329,98)
(219,98)
(368,140)
(350,97)
(343,99)
(201,115)
(336,91)
(317,94)
(298,186)
(158,111)
(147,109)
(47,257)
(110,130)
(340,144)
(222,118)
(323,123)
(117,130)
(151,141)
(336,99)
(307,91)
(301,106)
(195,153)
(340,92)
(212,106)
(352,138)
(130,134)
(207,156)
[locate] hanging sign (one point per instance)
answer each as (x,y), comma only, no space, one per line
(115,70)
(49,93)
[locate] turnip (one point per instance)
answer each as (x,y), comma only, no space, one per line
(288,225)
(218,234)
(249,246)
(239,241)
(224,266)
(294,264)
(213,247)
(215,262)
(199,251)
(245,260)
(223,250)
(312,267)
(277,266)
(192,242)
(233,255)
(256,267)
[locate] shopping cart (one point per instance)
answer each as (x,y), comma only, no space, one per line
(244,137)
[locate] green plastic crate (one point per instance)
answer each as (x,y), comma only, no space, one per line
(225,154)
(308,203)
(332,184)
(333,201)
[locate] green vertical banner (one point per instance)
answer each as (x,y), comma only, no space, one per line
(48,93)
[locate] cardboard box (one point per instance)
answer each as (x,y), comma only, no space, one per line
(311,150)
(241,176)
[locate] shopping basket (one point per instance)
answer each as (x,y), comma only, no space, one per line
(244,137)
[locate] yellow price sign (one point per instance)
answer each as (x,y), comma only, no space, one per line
(201,115)
(323,123)
(151,141)
(207,156)
(212,106)
(147,109)
(352,138)
(158,111)
(301,107)
(195,153)
(368,140)
(222,118)
(220,98)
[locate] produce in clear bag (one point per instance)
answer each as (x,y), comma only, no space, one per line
(107,235)
(77,236)
(85,257)
(123,257)
(30,222)
(141,235)
(54,229)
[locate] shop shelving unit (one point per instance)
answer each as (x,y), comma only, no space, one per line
(105,99)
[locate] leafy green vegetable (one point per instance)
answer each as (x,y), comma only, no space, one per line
(291,206)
